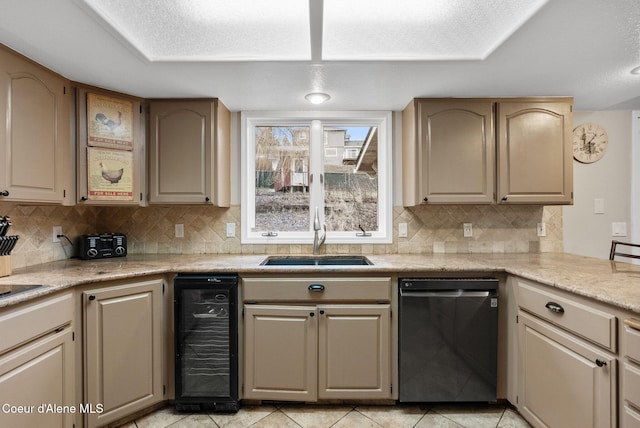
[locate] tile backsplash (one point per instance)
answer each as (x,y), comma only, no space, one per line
(150,230)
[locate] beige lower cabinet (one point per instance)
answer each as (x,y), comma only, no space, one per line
(567,375)
(37,366)
(123,349)
(630,376)
(307,353)
(565,382)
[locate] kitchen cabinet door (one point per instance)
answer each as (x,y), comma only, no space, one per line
(564,381)
(449,151)
(189,152)
(354,352)
(535,155)
(134,172)
(40,373)
(281,348)
(35,132)
(123,348)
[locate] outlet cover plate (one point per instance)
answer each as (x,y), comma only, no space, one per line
(467,230)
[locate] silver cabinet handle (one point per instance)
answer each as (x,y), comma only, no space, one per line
(554,307)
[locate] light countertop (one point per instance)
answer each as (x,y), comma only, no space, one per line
(616,283)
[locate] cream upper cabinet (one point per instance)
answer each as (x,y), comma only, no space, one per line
(535,160)
(114,118)
(448,151)
(123,348)
(35,146)
(486,151)
(189,152)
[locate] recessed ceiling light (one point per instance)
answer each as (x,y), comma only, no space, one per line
(635,70)
(317,97)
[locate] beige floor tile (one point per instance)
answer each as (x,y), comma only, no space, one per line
(511,419)
(472,415)
(355,419)
(195,421)
(160,419)
(276,419)
(435,420)
(393,416)
(246,416)
(316,416)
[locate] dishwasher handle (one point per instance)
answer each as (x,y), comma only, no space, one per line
(445,293)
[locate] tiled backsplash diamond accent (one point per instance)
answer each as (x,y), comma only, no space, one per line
(150,230)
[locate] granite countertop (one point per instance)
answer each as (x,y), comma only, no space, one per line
(616,283)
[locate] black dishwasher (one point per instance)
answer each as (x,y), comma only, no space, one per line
(448,340)
(206,342)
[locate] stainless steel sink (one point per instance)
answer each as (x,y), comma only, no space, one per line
(10,290)
(316,261)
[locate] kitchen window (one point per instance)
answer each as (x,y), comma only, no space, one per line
(337,164)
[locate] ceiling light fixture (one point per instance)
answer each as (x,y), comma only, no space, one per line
(635,70)
(317,97)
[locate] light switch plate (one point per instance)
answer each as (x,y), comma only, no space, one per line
(179,230)
(231,230)
(402,230)
(619,229)
(598,206)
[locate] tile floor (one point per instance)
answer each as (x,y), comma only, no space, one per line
(341,416)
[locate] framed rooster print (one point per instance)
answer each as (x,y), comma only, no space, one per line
(109,122)
(110,174)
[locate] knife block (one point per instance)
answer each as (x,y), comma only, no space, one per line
(5,266)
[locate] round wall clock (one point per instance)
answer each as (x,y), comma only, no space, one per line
(589,142)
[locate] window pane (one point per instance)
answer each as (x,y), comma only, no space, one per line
(282,178)
(350,178)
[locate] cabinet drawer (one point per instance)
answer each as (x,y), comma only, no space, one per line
(631,384)
(631,334)
(23,323)
(590,323)
(317,289)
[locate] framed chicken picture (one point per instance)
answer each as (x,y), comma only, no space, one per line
(110,174)
(109,122)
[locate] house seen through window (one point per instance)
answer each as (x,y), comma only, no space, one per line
(337,166)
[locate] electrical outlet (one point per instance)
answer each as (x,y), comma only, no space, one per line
(541,229)
(57,230)
(467,230)
(231,230)
(402,230)
(179,230)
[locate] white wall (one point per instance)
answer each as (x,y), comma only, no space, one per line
(586,233)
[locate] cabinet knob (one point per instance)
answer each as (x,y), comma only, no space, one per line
(206,199)
(504,198)
(425,199)
(601,363)
(554,307)
(92,297)
(321,312)
(312,314)
(84,198)
(4,193)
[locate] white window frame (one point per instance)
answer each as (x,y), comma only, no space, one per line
(316,121)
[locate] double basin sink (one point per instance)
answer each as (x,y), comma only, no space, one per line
(316,261)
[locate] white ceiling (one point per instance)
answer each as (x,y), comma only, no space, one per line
(367,54)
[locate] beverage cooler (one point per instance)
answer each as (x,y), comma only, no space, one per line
(206,342)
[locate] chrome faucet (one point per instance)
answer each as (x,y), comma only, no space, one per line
(317,240)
